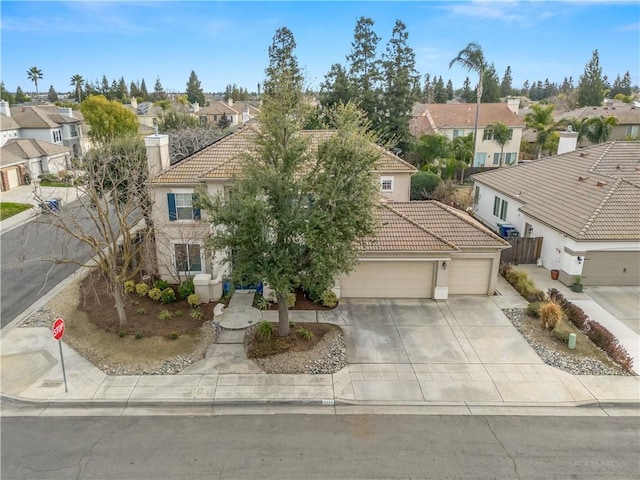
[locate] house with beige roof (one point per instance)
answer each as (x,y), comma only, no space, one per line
(458,119)
(421,249)
(627,115)
(22,156)
(585,204)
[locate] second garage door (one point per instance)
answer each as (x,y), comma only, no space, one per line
(469,276)
(611,268)
(389,280)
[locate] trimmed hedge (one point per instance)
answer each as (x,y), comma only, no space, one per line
(423,184)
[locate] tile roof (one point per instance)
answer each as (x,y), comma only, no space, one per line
(462,115)
(32,117)
(626,114)
(428,227)
(8,123)
(589,194)
(218,108)
(28,148)
(8,158)
(223,158)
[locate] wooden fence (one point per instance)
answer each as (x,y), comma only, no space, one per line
(523,250)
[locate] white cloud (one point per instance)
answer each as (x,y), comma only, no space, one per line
(632,27)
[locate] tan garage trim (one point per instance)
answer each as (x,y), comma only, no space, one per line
(389,279)
(13,177)
(611,268)
(469,276)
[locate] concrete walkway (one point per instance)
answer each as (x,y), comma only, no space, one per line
(478,374)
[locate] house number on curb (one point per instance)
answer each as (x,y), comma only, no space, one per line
(58,332)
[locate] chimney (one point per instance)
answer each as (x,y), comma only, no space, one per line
(513,104)
(4,108)
(134,103)
(568,141)
(196,107)
(230,102)
(157,154)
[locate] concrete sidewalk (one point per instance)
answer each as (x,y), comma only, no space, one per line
(31,370)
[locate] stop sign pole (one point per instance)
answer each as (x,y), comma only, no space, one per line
(58,332)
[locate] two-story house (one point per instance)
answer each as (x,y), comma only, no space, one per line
(627,116)
(420,250)
(458,119)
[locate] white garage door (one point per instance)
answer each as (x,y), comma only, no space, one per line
(469,276)
(14,179)
(611,268)
(389,280)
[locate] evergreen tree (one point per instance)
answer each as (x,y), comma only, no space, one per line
(506,88)
(6,96)
(123,92)
(491,86)
(20,96)
(52,96)
(626,84)
(449,90)
(400,77)
(336,88)
(364,70)
(158,92)
(525,88)
(105,89)
(427,91)
(194,90)
(467,94)
(134,89)
(143,91)
(113,91)
(439,92)
(591,86)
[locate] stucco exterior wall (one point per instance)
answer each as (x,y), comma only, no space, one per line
(401,186)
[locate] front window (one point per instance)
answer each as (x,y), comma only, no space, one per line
(386,184)
(184,208)
(74,132)
(496,206)
(57,136)
(503,210)
(458,133)
(188,257)
(496,158)
(480,159)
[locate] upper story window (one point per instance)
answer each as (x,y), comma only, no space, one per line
(181,207)
(458,133)
(500,207)
(386,184)
(488,134)
(74,131)
(57,136)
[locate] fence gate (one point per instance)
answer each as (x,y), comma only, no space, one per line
(524,250)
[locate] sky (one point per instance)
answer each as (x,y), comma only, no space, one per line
(227,42)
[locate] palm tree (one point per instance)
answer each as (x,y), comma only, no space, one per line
(34,74)
(541,120)
(578,125)
(599,128)
(462,148)
(77,81)
(501,134)
(472,58)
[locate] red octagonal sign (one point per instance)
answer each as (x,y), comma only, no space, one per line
(58,328)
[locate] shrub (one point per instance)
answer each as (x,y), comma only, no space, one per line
(423,184)
(142,289)
(329,299)
(174,335)
(155,293)
(138,335)
(135,303)
(177,313)
(160,284)
(142,311)
(292,324)
(304,334)
(519,279)
(165,315)
(264,331)
(533,309)
(129,286)
(186,288)
(168,295)
(291,299)
(550,314)
(121,333)
(262,302)
(560,334)
(196,314)
(194,300)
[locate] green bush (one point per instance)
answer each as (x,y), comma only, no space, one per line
(186,288)
(168,295)
(304,334)
(292,324)
(533,309)
(135,303)
(519,279)
(264,331)
(291,299)
(194,300)
(262,302)
(138,335)
(423,184)
(329,299)
(560,334)
(177,313)
(165,315)
(175,335)
(155,294)
(142,311)
(161,284)
(196,314)
(142,289)
(129,286)
(121,333)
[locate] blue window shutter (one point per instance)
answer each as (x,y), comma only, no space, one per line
(196,211)
(171,198)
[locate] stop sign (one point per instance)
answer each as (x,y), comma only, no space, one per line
(58,328)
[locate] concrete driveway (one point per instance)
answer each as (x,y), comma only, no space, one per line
(461,330)
(622,302)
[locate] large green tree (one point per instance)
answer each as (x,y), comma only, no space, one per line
(34,74)
(431,150)
(501,134)
(20,96)
(52,95)
(592,85)
(194,90)
(399,79)
(6,96)
(291,219)
(506,86)
(77,81)
(472,59)
(108,119)
(158,91)
(336,88)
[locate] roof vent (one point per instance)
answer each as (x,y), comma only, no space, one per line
(582,179)
(618,167)
(583,154)
(601,184)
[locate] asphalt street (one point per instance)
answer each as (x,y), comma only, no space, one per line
(320,447)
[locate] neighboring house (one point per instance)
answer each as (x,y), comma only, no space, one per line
(586,205)
(628,116)
(36,157)
(458,119)
(9,128)
(236,113)
(421,250)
